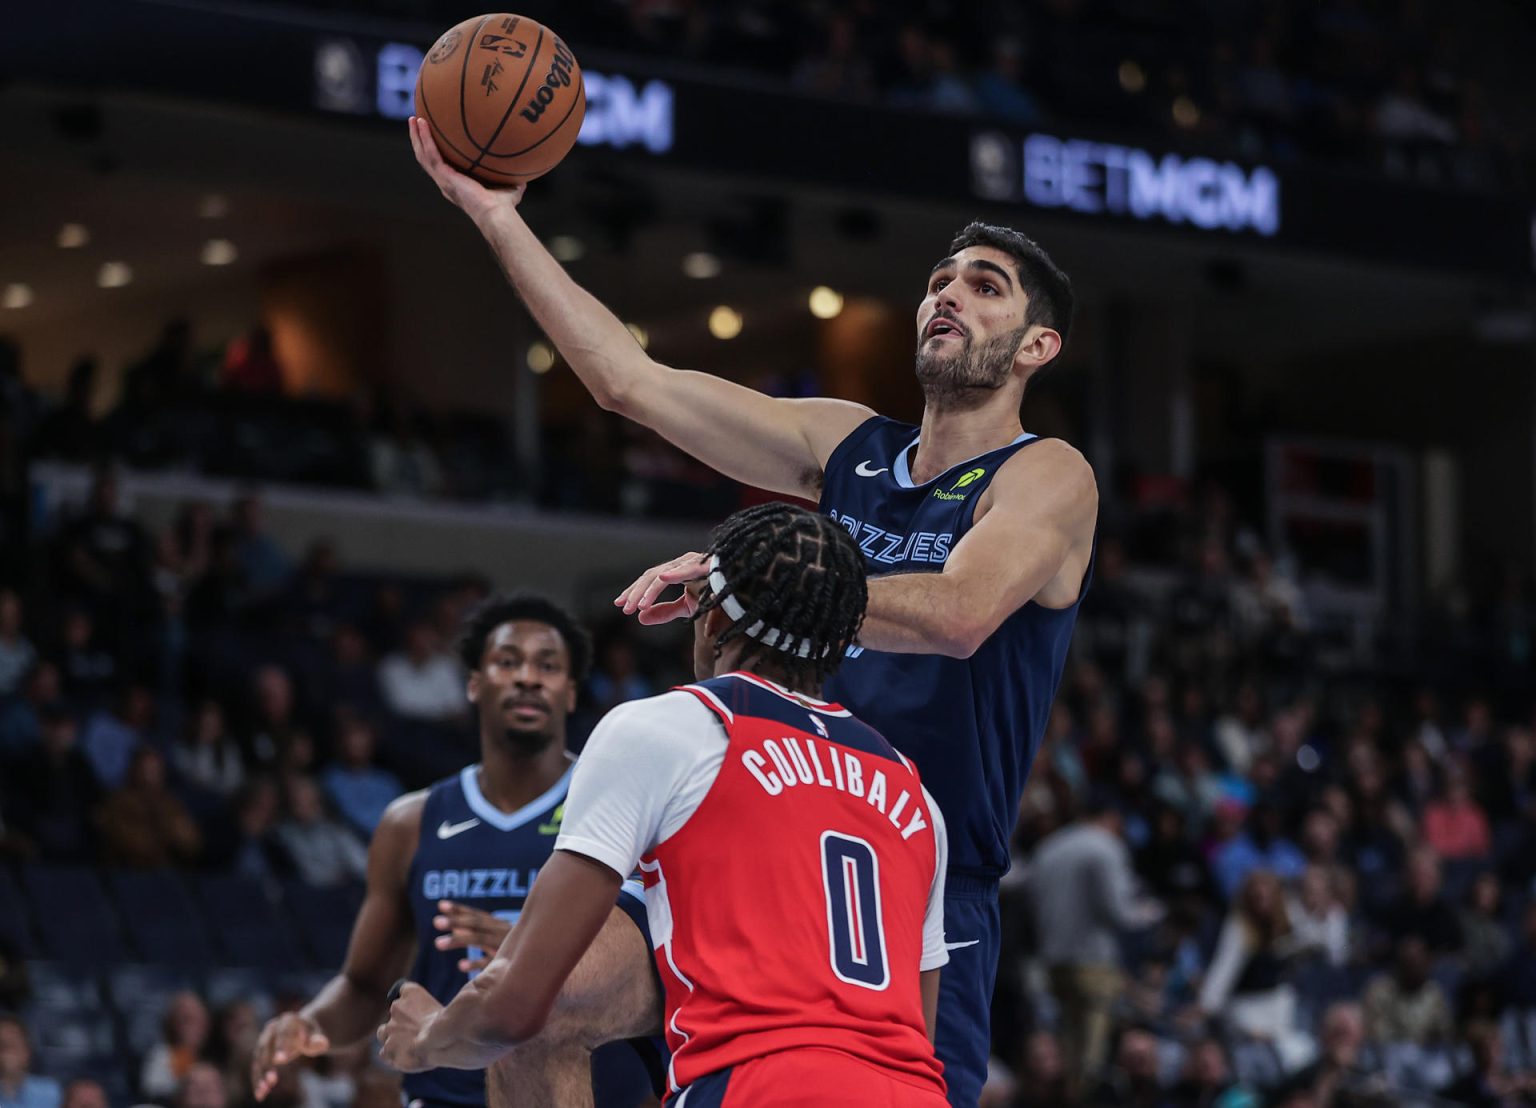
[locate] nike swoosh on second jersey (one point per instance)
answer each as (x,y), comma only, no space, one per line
(957,946)
(446,830)
(863,470)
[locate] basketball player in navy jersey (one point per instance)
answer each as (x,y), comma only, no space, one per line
(979,535)
(460,857)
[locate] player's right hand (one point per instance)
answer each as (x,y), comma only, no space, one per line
(640,598)
(460,188)
(466,927)
(284,1039)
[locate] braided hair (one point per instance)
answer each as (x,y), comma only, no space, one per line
(795,571)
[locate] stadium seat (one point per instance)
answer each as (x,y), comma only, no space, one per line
(160,919)
(71,1029)
(140,995)
(226,984)
(323,919)
(75,918)
(246,926)
(15,928)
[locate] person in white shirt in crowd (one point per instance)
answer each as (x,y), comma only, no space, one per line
(422,681)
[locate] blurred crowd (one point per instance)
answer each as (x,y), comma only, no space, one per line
(1430,92)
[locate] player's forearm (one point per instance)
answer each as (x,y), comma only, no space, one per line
(598,347)
(920,613)
(346,1011)
(480,1025)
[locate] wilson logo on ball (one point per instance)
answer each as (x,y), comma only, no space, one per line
(559,76)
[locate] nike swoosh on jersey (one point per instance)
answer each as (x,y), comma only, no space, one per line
(863,470)
(957,946)
(446,830)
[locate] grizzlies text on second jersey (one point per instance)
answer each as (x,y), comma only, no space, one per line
(972,725)
(471,852)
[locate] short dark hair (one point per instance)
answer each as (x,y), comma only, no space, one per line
(496,610)
(797,571)
(1049,289)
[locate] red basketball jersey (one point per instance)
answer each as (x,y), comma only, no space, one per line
(788,911)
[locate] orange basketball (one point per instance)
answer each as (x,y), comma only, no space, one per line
(503,96)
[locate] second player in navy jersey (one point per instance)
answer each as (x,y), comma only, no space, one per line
(449,869)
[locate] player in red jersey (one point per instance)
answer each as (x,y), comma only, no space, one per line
(793,862)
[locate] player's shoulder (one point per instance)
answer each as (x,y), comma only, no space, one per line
(404,812)
(1050,464)
(662,711)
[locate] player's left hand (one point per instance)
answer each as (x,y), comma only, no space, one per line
(463,926)
(400,1035)
(640,598)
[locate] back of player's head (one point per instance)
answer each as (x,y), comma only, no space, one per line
(792,581)
(1049,289)
(496,610)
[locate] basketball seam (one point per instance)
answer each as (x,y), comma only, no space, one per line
(581,94)
(463,75)
(511,107)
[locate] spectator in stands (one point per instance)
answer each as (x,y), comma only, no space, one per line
(400,461)
(1319,924)
(1455,826)
(103,556)
(838,69)
(1207,1081)
(321,850)
(19,1087)
(1083,894)
(616,677)
(207,758)
(1260,846)
(21,724)
(1405,1005)
(1342,1076)
(88,667)
(1000,91)
(358,789)
(1042,1080)
(143,824)
(423,681)
(53,792)
(255,850)
(202,1087)
(17,654)
(1486,943)
(109,739)
(1519,973)
(183,1044)
(1247,985)
(1489,1083)
(274,726)
(71,431)
(317,603)
(235,1030)
(251,365)
(83,1092)
(351,674)
(266,566)
(1423,911)
(1132,1081)
(1240,733)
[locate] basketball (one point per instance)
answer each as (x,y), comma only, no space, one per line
(503,96)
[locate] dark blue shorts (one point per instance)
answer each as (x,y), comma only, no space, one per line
(973,933)
(626,1072)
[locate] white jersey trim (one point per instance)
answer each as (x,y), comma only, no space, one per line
(902,471)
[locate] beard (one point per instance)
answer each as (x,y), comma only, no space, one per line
(527,743)
(951,375)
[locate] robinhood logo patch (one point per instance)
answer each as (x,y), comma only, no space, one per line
(957,491)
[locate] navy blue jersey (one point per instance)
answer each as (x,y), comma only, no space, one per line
(470,852)
(972,725)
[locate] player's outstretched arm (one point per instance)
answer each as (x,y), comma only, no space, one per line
(777,444)
(1037,527)
(351,1004)
(510,1001)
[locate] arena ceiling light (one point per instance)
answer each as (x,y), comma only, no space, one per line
(567,248)
(17,295)
(701,265)
(1133,78)
(114,275)
(213,206)
(218,252)
(541,357)
(825,303)
(72,236)
(640,333)
(725,322)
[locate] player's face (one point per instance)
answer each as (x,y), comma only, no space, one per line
(524,684)
(971,323)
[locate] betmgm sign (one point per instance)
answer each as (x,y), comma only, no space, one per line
(1099,178)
